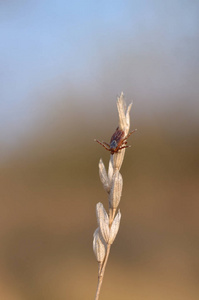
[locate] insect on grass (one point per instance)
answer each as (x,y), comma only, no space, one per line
(118,141)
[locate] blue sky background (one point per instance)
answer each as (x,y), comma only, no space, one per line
(148,49)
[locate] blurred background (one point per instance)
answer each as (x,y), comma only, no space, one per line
(62,66)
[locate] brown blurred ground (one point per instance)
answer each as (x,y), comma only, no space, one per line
(49,190)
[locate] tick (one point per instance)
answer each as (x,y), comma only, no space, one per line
(118,141)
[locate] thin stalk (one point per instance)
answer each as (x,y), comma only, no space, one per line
(102,266)
(101,272)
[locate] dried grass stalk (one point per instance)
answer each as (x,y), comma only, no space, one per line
(112,182)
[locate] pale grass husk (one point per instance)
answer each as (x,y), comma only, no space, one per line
(112,182)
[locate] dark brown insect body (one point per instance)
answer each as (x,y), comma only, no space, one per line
(118,141)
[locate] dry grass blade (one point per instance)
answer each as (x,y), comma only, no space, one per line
(112,182)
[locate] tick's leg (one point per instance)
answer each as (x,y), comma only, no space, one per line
(123,143)
(124,147)
(102,145)
(129,135)
(106,144)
